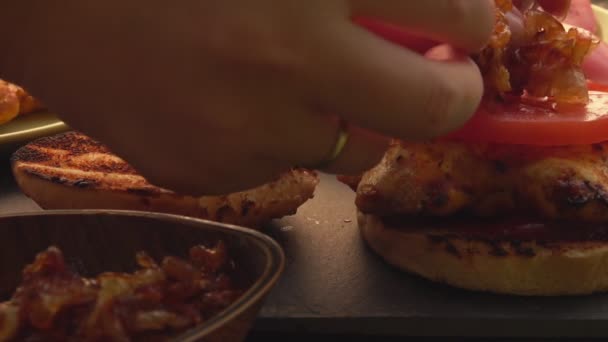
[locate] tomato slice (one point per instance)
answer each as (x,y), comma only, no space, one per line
(597,87)
(528,124)
(517,122)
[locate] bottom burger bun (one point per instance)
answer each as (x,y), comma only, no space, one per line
(504,266)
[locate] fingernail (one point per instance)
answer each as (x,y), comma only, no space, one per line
(515,19)
(445,53)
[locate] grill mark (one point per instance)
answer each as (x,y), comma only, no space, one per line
(74,142)
(572,192)
(223,212)
(29,154)
(496,248)
(521,250)
(505,247)
(577,193)
(599,191)
(448,246)
(83,183)
(437,195)
(111,167)
(94,181)
(58,180)
(63,150)
(246,207)
(62,159)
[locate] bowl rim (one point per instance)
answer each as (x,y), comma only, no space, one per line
(275,257)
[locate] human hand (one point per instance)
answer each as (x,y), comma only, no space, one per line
(208,97)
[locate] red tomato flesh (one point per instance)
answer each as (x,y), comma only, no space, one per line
(526,124)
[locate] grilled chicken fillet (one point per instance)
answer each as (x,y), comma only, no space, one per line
(450,178)
(72,171)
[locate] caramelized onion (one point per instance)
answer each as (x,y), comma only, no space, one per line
(56,304)
(545,62)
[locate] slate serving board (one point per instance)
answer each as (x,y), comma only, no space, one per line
(334,284)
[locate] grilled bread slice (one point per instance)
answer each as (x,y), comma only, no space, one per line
(73,171)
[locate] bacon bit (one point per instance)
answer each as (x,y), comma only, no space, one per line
(547,62)
(210,259)
(54,303)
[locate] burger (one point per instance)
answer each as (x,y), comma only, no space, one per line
(515,202)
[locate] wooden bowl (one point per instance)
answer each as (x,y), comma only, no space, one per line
(96,241)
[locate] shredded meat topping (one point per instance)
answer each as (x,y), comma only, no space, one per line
(546,62)
(54,303)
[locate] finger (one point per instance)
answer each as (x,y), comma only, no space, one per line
(393,91)
(193,173)
(308,140)
(516,22)
(466,24)
(397,35)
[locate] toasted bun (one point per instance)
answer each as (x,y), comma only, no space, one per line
(72,171)
(506,267)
